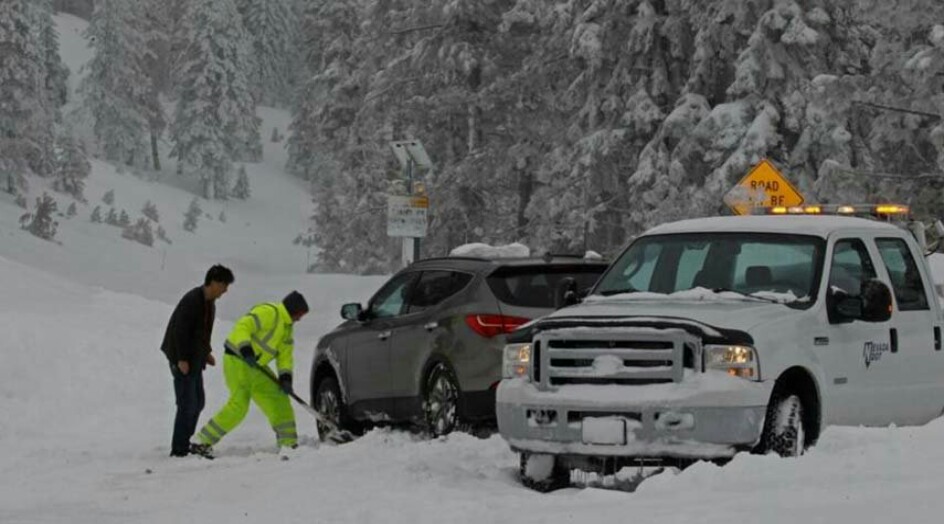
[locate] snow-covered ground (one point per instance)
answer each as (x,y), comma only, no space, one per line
(87,408)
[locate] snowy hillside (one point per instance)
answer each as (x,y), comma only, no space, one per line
(87,411)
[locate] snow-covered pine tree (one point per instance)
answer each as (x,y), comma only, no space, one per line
(215,122)
(162,235)
(41,222)
(72,167)
(140,232)
(192,215)
(273,27)
(123,219)
(57,74)
(241,189)
(71,211)
(97,215)
(150,211)
(116,83)
(27,116)
(109,197)
(112,218)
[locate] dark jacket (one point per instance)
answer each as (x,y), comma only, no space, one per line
(189,329)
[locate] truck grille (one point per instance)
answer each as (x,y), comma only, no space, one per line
(614,356)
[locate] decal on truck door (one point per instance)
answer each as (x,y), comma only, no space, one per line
(873,352)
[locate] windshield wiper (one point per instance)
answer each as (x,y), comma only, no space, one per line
(747,295)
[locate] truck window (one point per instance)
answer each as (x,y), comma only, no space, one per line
(743,262)
(851,266)
(902,269)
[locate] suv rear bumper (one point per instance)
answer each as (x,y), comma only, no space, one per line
(676,421)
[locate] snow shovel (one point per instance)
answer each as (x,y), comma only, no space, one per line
(335,434)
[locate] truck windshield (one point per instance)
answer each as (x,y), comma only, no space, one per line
(763,265)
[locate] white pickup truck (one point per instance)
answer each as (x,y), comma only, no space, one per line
(712,336)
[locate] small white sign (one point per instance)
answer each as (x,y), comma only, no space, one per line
(407,216)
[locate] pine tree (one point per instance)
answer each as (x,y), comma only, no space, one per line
(241,189)
(41,222)
(123,219)
(109,197)
(112,218)
(192,216)
(72,211)
(140,232)
(97,215)
(72,167)
(162,235)
(272,25)
(215,122)
(150,211)
(57,74)
(117,83)
(27,116)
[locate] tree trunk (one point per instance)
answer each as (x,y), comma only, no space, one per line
(155,154)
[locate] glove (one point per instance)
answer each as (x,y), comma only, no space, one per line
(248,353)
(285,382)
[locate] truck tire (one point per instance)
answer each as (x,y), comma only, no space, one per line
(541,472)
(784,431)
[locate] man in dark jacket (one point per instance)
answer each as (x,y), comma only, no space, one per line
(187,346)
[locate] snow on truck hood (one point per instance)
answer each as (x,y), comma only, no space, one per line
(722,310)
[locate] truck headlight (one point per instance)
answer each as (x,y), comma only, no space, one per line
(517,361)
(737,361)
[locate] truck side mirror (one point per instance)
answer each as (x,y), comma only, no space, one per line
(565,294)
(352,312)
(876,301)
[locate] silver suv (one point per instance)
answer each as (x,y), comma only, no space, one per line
(427,348)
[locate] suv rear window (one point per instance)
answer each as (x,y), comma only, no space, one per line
(534,286)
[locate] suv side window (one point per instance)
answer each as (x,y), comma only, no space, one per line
(434,287)
(391,299)
(851,266)
(906,280)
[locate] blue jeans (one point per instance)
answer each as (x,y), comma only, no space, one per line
(190,401)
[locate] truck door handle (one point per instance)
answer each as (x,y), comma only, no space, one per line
(384,335)
(894,340)
(937,338)
(431,326)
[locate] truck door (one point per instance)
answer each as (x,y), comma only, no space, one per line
(854,353)
(915,381)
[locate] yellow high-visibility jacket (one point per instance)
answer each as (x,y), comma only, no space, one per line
(267,328)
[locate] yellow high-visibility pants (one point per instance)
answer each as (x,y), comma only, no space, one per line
(245,384)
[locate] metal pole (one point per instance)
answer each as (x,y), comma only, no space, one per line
(416,241)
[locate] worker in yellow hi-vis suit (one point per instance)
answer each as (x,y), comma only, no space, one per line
(263,335)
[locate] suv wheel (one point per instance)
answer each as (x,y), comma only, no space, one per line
(441,401)
(784,431)
(541,472)
(328,404)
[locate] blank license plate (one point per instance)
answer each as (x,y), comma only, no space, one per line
(610,431)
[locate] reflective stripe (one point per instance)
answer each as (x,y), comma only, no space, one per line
(213,439)
(256,318)
(265,347)
(284,425)
(212,423)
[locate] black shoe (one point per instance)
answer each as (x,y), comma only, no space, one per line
(178,453)
(204,450)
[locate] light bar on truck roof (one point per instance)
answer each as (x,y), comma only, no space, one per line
(885,211)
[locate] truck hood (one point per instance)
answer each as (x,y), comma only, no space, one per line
(741,315)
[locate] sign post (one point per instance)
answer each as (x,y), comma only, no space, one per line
(764,186)
(407,216)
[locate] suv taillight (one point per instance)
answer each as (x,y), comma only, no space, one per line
(490,325)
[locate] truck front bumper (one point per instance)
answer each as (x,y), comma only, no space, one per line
(697,419)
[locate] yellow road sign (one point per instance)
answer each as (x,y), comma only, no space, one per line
(764,186)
